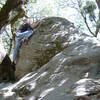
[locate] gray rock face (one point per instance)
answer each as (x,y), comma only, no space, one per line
(49,39)
(56,57)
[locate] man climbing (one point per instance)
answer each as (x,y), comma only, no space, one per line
(22,35)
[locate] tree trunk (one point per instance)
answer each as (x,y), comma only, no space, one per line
(9,6)
(98,3)
(7,68)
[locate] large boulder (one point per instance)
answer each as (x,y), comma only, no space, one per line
(49,39)
(53,36)
(56,57)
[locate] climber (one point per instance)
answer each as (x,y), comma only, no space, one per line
(22,35)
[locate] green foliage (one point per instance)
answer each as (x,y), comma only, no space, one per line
(6,42)
(32,1)
(39,10)
(98,23)
(89,7)
(2,2)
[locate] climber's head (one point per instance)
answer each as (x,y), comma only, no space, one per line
(26,21)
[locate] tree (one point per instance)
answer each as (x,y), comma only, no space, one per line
(98,21)
(86,9)
(7,67)
(9,7)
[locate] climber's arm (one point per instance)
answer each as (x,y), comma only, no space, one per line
(35,24)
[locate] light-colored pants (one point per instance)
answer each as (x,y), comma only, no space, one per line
(18,40)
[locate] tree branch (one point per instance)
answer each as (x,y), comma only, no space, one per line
(7,8)
(85,20)
(84,17)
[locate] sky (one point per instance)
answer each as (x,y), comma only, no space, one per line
(51,6)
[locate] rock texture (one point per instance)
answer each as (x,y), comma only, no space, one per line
(56,57)
(50,38)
